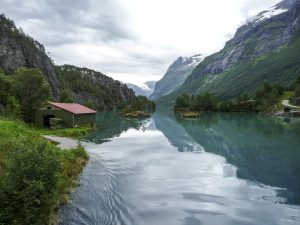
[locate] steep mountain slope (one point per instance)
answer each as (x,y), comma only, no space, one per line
(176,75)
(18,49)
(89,85)
(143,91)
(266,48)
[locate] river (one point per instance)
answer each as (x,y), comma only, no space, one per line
(228,168)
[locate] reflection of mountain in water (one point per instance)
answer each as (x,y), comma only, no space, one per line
(263,148)
(110,124)
(176,134)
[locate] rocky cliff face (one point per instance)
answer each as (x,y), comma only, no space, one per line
(268,31)
(18,49)
(176,75)
(89,85)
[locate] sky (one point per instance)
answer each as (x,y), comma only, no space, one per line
(130,40)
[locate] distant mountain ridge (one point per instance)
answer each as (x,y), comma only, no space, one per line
(266,48)
(144,90)
(176,74)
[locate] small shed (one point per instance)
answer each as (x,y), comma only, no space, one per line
(71,114)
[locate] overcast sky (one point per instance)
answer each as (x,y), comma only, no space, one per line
(130,40)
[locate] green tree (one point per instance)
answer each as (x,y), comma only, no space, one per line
(244,97)
(66,96)
(205,102)
(31,89)
(90,104)
(182,101)
(9,104)
(297,91)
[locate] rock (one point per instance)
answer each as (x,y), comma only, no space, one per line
(189,114)
(137,114)
(18,49)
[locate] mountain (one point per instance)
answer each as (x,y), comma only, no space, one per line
(18,50)
(89,85)
(266,48)
(151,84)
(145,90)
(176,75)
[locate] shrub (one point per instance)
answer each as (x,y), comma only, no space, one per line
(28,188)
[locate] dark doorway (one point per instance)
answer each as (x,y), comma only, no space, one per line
(46,120)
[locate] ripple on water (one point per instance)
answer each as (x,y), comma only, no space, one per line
(140,178)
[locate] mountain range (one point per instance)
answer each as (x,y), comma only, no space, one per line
(267,47)
(20,50)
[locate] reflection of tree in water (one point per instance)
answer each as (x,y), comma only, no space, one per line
(110,124)
(264,148)
(207,120)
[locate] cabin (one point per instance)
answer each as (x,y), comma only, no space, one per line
(71,115)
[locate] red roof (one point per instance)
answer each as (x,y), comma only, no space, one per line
(73,108)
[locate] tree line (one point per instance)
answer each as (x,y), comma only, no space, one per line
(140,103)
(265,99)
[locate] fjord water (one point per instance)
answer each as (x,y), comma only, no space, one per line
(230,168)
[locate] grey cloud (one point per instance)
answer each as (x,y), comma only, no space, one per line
(256,5)
(66,19)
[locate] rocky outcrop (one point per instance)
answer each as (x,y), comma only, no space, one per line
(268,31)
(176,75)
(18,49)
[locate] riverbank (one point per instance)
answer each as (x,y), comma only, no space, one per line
(36,176)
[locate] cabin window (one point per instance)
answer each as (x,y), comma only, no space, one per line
(49,107)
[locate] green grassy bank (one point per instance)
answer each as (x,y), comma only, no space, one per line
(36,177)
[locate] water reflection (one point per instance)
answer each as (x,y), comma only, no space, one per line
(110,124)
(264,148)
(224,169)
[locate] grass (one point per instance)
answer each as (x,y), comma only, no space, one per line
(67,132)
(18,142)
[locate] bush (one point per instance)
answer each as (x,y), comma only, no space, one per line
(28,188)
(35,176)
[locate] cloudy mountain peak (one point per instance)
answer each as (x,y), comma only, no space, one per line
(176,74)
(281,7)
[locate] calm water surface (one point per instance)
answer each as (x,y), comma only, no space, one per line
(222,169)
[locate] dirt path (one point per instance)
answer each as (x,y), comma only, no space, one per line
(287,104)
(63,143)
